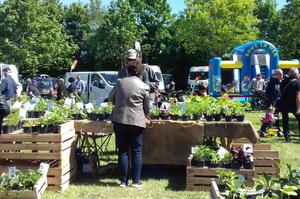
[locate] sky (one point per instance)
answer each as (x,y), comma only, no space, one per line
(177,5)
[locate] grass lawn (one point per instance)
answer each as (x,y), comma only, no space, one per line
(166,182)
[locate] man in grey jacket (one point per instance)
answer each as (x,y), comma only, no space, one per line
(148,76)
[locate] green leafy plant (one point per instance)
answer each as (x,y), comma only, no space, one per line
(227,159)
(202,153)
(41,106)
(31,123)
(13,118)
(108,108)
(176,109)
(215,157)
(267,183)
(155,112)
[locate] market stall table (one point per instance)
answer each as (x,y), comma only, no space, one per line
(169,142)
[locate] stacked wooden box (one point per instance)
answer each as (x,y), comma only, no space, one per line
(199,178)
(28,150)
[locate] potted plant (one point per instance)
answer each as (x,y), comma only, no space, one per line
(226,160)
(201,156)
(240,110)
(107,110)
(11,122)
(27,127)
(215,160)
(175,112)
(154,113)
(93,114)
(40,108)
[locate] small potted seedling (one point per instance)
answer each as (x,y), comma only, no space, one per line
(40,108)
(107,110)
(226,160)
(93,114)
(176,111)
(201,156)
(27,127)
(154,113)
(215,160)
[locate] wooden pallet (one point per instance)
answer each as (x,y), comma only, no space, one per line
(28,150)
(36,193)
(199,178)
(265,159)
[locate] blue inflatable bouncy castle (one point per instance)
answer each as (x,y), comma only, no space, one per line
(247,60)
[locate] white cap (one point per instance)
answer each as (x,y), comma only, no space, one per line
(132,54)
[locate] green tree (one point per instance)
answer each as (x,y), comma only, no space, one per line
(76,21)
(289,36)
(33,38)
(217,26)
(117,33)
(154,20)
(269,18)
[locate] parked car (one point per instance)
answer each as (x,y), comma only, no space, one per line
(98,84)
(46,86)
(198,75)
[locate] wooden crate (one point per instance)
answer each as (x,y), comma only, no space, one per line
(28,150)
(36,193)
(199,178)
(215,192)
(265,159)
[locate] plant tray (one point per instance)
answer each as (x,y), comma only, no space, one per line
(199,178)
(265,159)
(36,193)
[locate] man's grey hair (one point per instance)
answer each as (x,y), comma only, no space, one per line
(279,71)
(294,72)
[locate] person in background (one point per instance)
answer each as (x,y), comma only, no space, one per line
(202,90)
(267,121)
(8,86)
(148,77)
(33,90)
(131,99)
(290,100)
(29,82)
(71,88)
(61,89)
(258,84)
(80,86)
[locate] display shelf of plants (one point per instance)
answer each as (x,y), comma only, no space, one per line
(204,163)
(265,159)
(232,186)
(202,108)
(102,113)
(23,185)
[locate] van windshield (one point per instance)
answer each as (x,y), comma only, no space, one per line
(111,79)
(203,75)
(159,76)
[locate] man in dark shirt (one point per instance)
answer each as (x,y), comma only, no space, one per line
(8,86)
(61,89)
(290,98)
(33,90)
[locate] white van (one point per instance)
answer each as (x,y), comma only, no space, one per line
(14,74)
(158,73)
(98,84)
(198,71)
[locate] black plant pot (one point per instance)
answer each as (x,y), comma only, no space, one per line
(213,165)
(44,129)
(217,117)
(155,117)
(228,118)
(93,116)
(27,129)
(106,116)
(6,129)
(240,118)
(198,163)
(30,114)
(164,117)
(53,129)
(226,165)
(100,116)
(185,118)
(36,129)
(196,117)
(174,117)
(207,163)
(37,114)
(248,165)
(209,118)
(235,165)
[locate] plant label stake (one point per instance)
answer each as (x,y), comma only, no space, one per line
(11,172)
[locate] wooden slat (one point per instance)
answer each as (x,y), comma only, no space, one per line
(30,156)
(50,137)
(261,146)
(215,192)
(272,162)
(267,170)
(266,154)
(28,146)
(66,127)
(61,180)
